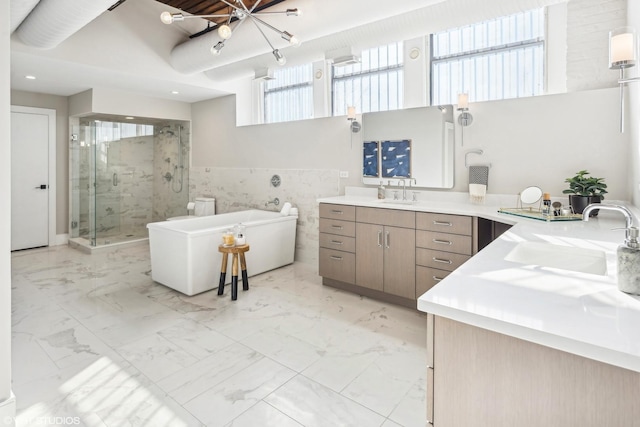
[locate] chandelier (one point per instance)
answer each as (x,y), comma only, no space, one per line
(240,14)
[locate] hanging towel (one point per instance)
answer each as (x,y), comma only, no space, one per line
(478,181)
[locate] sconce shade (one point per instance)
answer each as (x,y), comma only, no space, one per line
(351,113)
(463,101)
(623,48)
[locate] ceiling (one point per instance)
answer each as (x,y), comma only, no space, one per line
(76,45)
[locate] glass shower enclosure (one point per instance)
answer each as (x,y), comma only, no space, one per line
(123,176)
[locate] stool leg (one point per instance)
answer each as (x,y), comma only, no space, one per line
(223,273)
(234,277)
(243,266)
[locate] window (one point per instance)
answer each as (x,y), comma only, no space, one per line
(289,96)
(375,84)
(497,59)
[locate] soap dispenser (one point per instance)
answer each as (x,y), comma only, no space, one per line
(381,191)
(629,263)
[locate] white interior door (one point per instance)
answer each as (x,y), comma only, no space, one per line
(30,178)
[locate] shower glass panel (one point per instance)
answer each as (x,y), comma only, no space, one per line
(125,175)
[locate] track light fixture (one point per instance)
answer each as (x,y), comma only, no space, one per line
(239,14)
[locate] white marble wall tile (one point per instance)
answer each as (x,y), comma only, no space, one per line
(312,404)
(224,402)
(239,189)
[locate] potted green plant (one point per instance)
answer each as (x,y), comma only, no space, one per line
(584,190)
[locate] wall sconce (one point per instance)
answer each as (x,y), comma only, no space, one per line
(465,118)
(623,53)
(351,116)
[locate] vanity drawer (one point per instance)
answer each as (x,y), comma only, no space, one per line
(439,260)
(337,242)
(337,265)
(446,242)
(444,223)
(341,212)
(334,226)
(427,278)
(384,216)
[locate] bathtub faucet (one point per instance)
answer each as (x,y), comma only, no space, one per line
(275,201)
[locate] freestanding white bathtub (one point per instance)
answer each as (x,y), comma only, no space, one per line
(185,257)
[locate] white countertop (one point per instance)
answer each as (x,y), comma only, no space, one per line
(580,313)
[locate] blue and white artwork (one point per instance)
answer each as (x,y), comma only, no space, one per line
(396,159)
(370,159)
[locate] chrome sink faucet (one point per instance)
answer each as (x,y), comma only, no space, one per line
(628,216)
(404,188)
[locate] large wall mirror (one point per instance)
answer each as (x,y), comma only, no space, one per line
(428,133)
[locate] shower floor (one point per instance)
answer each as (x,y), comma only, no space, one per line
(109,242)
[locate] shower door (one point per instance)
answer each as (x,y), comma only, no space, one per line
(105,220)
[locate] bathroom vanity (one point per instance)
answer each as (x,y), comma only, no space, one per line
(394,252)
(529,331)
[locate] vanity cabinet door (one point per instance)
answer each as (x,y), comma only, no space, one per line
(337,265)
(370,256)
(400,262)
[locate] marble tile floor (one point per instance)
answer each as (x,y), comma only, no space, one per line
(97,343)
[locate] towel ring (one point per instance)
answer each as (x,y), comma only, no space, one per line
(479,151)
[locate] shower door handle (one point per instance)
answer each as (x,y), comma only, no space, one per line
(115,179)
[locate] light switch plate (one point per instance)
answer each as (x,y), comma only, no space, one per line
(344,174)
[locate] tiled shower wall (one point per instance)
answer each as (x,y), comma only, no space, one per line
(170,171)
(237,189)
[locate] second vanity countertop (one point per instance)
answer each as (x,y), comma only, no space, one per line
(580,313)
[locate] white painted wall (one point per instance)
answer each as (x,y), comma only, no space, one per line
(7,401)
(108,101)
(529,141)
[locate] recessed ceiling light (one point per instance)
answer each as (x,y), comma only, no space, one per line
(30,77)
(175,92)
(129,118)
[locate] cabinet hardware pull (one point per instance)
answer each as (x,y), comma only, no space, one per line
(335,211)
(337,227)
(448,224)
(337,242)
(337,258)
(444,261)
(436,278)
(386,240)
(442,242)
(380,238)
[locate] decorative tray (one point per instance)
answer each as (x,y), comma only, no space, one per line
(534,213)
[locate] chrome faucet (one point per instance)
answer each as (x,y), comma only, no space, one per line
(275,201)
(404,188)
(628,216)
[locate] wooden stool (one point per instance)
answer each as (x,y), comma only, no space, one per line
(236,252)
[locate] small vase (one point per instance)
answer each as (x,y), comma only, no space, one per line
(578,203)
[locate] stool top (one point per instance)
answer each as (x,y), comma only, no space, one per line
(234,249)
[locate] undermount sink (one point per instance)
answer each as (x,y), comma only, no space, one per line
(399,202)
(570,258)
